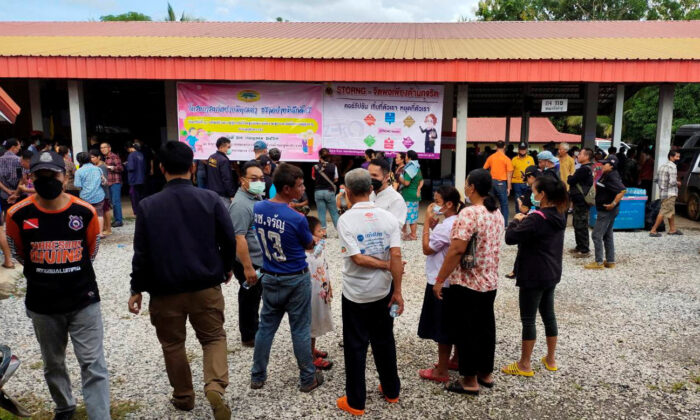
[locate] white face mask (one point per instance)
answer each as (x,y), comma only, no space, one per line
(256,187)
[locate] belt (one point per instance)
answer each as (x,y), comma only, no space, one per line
(296,273)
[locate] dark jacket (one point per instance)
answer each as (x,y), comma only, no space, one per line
(219,175)
(540,243)
(184,241)
(553,172)
(608,186)
(136,168)
(583,177)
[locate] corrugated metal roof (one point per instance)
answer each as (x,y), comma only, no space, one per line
(334,30)
(8,108)
(355,48)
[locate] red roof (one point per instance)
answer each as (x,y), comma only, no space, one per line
(8,108)
(491,130)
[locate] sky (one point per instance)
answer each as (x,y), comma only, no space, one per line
(244,10)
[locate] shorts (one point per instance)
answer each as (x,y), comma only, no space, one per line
(99,208)
(107,206)
(668,207)
(412,213)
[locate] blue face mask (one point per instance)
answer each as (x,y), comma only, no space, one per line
(535,202)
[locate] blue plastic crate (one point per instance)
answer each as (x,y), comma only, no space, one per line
(631,216)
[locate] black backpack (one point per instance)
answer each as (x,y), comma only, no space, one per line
(651,213)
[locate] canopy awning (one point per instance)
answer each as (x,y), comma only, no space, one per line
(8,108)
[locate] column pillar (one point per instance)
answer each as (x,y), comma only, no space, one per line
(507,139)
(590,113)
(461,138)
(35,106)
(525,128)
(619,108)
(171,110)
(448,116)
(663,132)
(76,108)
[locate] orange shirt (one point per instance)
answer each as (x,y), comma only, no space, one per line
(500,165)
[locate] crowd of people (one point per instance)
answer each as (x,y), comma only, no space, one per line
(250,222)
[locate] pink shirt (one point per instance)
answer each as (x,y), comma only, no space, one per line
(489,227)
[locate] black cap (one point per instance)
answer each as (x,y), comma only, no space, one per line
(531,171)
(50,161)
(265,160)
(522,146)
(612,159)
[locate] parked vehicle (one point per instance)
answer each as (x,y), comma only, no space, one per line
(687,136)
(689,175)
(605,145)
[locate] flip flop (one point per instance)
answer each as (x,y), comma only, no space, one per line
(513,369)
(429,374)
(484,383)
(450,365)
(656,235)
(678,232)
(457,388)
(546,366)
(389,400)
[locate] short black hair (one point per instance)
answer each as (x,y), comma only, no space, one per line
(132,145)
(672,153)
(26,154)
(274,154)
(83,158)
(95,153)
(221,141)
(176,157)
(500,144)
(250,164)
(369,152)
(63,150)
(313,222)
(286,175)
(382,163)
(9,144)
(412,155)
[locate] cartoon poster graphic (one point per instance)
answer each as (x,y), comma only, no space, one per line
(285,116)
(388,117)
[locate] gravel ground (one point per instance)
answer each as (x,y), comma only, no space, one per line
(629,345)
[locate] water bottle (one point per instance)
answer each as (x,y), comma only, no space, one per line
(319,247)
(247,285)
(394,311)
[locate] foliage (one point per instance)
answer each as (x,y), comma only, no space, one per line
(172,16)
(124,17)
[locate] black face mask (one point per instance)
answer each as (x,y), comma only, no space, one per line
(48,187)
(377,185)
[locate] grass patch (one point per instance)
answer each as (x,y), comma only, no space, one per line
(36,365)
(695,379)
(677,387)
(42,410)
(652,387)
(577,386)
(20,292)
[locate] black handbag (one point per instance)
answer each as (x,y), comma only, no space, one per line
(468,260)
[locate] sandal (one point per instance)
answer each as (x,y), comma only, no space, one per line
(429,374)
(484,383)
(677,232)
(322,364)
(457,387)
(389,400)
(546,366)
(320,353)
(9,267)
(450,365)
(513,369)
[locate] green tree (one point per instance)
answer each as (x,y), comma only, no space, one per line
(128,16)
(172,17)
(674,10)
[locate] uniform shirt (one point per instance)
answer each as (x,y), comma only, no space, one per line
(367,230)
(392,201)
(284,236)
(220,176)
(439,243)
(242,216)
(519,166)
(500,165)
(668,180)
(89,179)
(9,162)
(56,248)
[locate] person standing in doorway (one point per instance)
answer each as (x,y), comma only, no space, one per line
(96,159)
(580,183)
(325,176)
(668,191)
(136,173)
(284,236)
(249,257)
(567,165)
(502,174)
(114,180)
(520,162)
(62,297)
(609,192)
(219,172)
(183,275)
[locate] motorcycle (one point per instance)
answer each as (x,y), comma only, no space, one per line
(8,365)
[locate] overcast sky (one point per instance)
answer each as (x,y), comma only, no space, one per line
(246,10)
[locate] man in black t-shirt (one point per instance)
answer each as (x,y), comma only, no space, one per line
(580,183)
(325,176)
(55,236)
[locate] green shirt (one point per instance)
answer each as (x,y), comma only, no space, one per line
(410,192)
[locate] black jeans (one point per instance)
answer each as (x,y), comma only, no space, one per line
(473,329)
(530,301)
(248,304)
(364,324)
(580,221)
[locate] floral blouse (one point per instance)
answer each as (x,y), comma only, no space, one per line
(489,227)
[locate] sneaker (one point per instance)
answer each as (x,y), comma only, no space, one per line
(256,385)
(574,251)
(219,407)
(65,415)
(609,264)
(342,403)
(582,254)
(182,405)
(655,234)
(117,224)
(318,381)
(594,266)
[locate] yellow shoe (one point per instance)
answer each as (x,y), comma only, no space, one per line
(609,265)
(513,369)
(594,266)
(546,366)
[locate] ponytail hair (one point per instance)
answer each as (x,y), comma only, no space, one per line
(481,180)
(554,191)
(451,195)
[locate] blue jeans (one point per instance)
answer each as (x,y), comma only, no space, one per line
(603,240)
(115,192)
(518,190)
(85,329)
(290,295)
(500,189)
(325,200)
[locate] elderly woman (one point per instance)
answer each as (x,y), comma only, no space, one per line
(540,240)
(473,287)
(412,181)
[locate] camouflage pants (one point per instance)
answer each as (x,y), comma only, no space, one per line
(580,222)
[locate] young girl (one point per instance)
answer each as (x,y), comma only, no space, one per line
(321,293)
